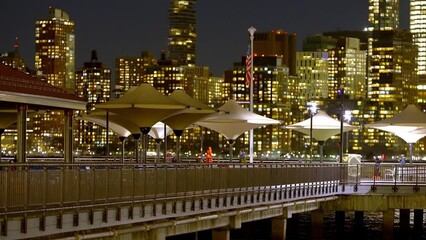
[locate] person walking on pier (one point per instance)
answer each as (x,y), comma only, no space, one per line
(209,155)
(242,156)
(402,161)
(377,162)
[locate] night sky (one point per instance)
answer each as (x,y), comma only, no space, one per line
(127,27)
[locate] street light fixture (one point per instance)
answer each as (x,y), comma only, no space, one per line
(312,109)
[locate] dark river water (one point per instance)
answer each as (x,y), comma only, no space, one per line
(299,228)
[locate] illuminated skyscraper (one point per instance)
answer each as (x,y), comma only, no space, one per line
(383,15)
(93,81)
(393,78)
(129,71)
(54,61)
(346,66)
(93,84)
(182,32)
(273,96)
(418,29)
(14,58)
(277,43)
(55,43)
(313,74)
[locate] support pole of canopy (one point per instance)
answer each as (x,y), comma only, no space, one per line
(342,92)
(201,147)
(410,146)
(165,143)
(231,148)
(251,31)
(178,134)
(136,136)
(321,145)
(145,131)
(1,132)
(123,140)
(68,136)
(107,137)
(158,141)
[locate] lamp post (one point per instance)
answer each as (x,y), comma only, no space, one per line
(347,116)
(251,30)
(341,92)
(312,109)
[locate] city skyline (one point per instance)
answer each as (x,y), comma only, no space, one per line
(124,29)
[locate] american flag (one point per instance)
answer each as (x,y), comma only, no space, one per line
(248,66)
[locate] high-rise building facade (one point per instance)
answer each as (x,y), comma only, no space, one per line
(13,59)
(182,32)
(313,73)
(347,68)
(129,71)
(55,49)
(277,43)
(271,98)
(418,29)
(93,84)
(393,78)
(54,61)
(383,15)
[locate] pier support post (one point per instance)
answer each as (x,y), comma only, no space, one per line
(359,219)
(388,224)
(418,222)
(340,221)
(279,228)
(221,234)
(404,220)
(317,219)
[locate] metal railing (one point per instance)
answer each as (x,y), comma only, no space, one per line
(35,187)
(31,187)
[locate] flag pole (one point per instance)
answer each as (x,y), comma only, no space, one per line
(251,31)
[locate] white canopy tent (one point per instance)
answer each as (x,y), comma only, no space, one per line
(233,120)
(143,106)
(159,131)
(117,124)
(182,120)
(323,127)
(410,125)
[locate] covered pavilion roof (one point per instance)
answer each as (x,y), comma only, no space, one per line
(20,87)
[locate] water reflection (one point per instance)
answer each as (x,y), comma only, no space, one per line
(299,228)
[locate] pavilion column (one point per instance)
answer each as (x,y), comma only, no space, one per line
(68,136)
(22,133)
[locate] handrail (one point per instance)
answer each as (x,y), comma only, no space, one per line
(39,186)
(44,185)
